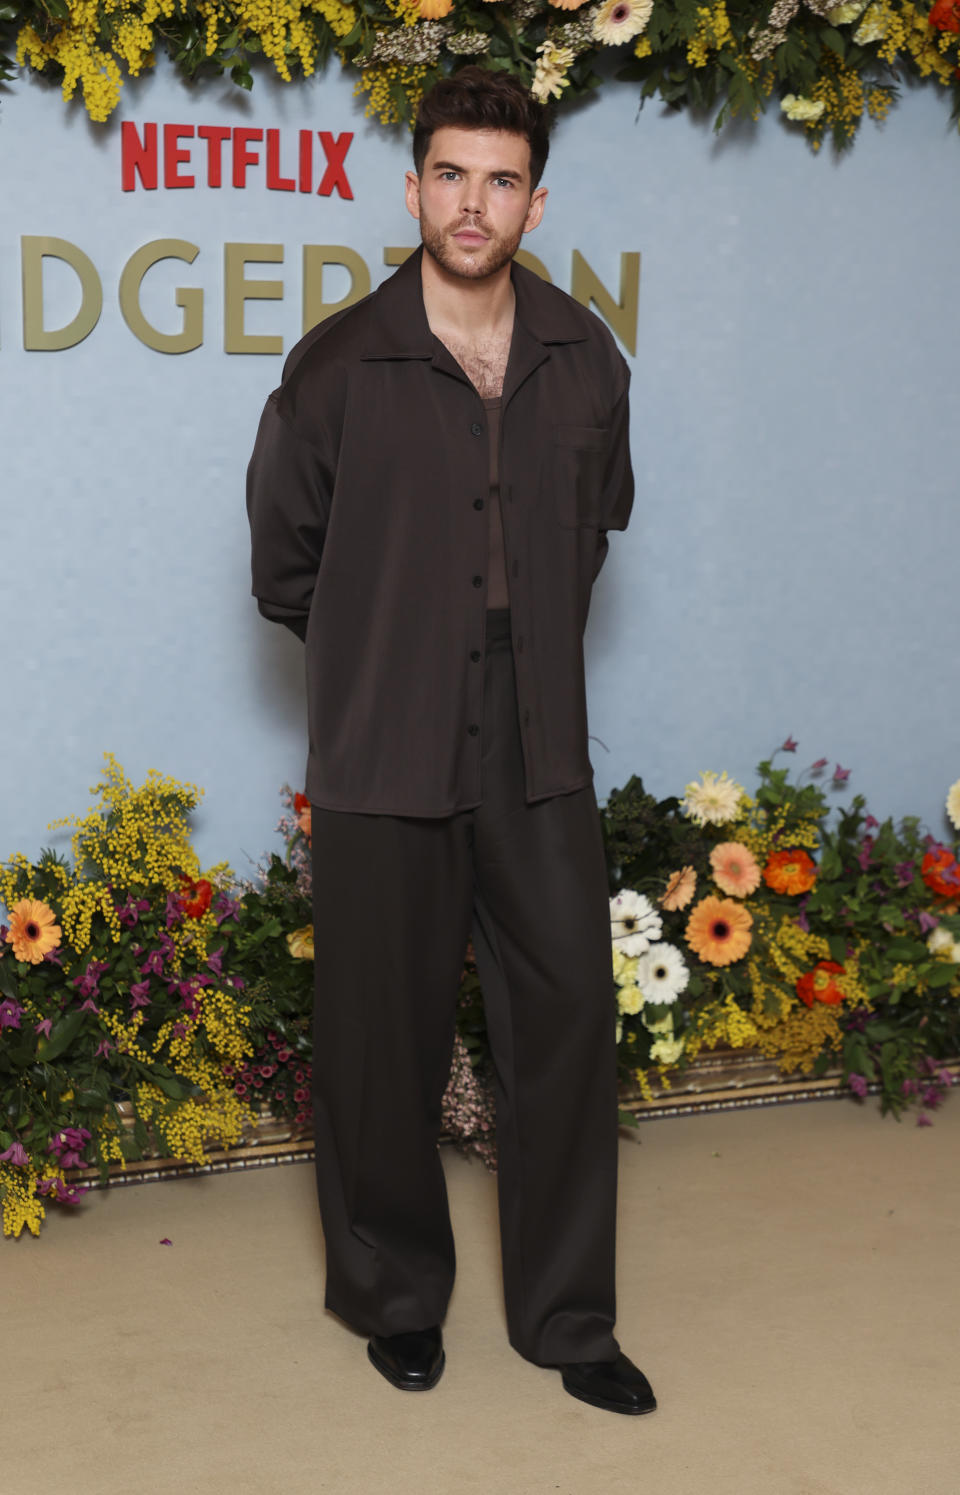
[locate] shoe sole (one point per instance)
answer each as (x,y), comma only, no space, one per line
(608,1406)
(399,1382)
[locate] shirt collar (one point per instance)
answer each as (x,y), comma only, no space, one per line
(400,328)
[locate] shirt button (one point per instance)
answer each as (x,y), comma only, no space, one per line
(475,655)
(478,581)
(473,729)
(476,429)
(478,503)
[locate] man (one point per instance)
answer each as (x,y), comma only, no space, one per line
(429,497)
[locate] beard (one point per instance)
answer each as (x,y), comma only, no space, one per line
(468,264)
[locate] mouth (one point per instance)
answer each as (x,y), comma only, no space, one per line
(469,237)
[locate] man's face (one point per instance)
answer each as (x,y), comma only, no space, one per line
(473,200)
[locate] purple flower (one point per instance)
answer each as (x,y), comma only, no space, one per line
(909,1087)
(819,766)
(926,921)
(789,746)
(129,912)
(864,854)
(68,1145)
(89,1006)
(924,1120)
(44,1026)
(153,963)
(53,956)
(88,984)
(138,995)
(237,982)
(16,1154)
(931,1097)
(858,1084)
(904,873)
(61,1191)
(871,823)
(174,910)
(840,775)
(102,1049)
(167,948)
(225,907)
(10,1013)
(4,931)
(215,961)
(800,917)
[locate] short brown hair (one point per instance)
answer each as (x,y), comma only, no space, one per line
(476,99)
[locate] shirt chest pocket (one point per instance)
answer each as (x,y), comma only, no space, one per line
(576,467)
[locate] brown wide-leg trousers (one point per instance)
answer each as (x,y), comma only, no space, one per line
(395,899)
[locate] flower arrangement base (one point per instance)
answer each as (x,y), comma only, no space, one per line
(731,1079)
(722,1080)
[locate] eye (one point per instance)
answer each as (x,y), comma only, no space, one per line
(503,181)
(448,176)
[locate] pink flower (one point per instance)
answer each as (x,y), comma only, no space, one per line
(858,1084)
(789,746)
(735,869)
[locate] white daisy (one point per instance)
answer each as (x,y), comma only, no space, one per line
(634,923)
(714,799)
(662,973)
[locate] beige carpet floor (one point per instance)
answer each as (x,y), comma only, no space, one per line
(787,1278)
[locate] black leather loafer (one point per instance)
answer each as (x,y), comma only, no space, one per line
(615,1385)
(413,1361)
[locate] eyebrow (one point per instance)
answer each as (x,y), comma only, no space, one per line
(500,171)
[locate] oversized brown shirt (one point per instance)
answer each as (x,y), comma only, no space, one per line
(367,494)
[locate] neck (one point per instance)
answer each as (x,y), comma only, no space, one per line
(468,307)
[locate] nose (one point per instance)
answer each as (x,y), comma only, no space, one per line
(472,199)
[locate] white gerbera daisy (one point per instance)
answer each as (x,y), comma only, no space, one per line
(662,973)
(942,942)
(619,20)
(953,804)
(714,799)
(634,923)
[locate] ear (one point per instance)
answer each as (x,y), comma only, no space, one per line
(411,188)
(535,211)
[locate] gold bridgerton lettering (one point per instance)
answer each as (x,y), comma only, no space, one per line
(237,290)
(315,258)
(189,298)
(34,249)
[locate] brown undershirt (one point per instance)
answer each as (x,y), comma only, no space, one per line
(497,593)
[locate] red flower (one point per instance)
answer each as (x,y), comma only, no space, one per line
(790,871)
(818,986)
(945,15)
(941,873)
(304,815)
(195,897)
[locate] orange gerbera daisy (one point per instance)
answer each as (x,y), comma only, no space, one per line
(679,890)
(719,931)
(818,985)
(940,872)
(790,871)
(33,930)
(735,869)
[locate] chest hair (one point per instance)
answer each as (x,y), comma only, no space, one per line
(484,361)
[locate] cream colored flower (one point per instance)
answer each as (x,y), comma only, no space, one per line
(873,27)
(551,75)
(796,107)
(667,1050)
(662,1025)
(624,967)
(953,804)
(662,973)
(942,942)
(715,799)
(634,922)
(300,943)
(629,999)
(842,15)
(619,1029)
(618,20)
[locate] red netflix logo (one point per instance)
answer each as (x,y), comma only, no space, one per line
(141,157)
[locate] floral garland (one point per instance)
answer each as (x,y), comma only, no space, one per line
(827,62)
(149,1006)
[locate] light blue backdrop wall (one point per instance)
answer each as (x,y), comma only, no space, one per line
(791,564)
